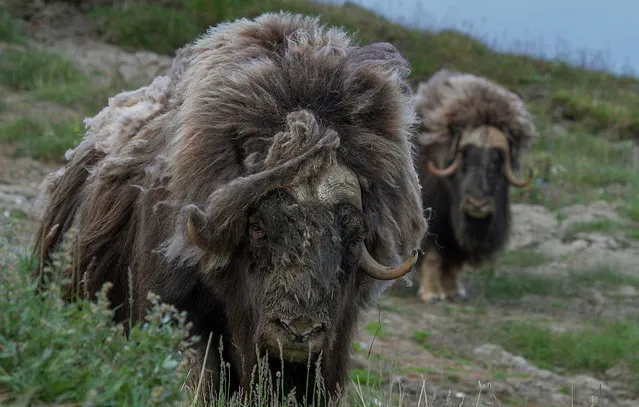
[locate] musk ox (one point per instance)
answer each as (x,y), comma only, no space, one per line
(266,186)
(472,134)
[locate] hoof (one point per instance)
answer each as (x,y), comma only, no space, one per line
(430,298)
(462,295)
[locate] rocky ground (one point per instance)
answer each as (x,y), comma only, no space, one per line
(560,272)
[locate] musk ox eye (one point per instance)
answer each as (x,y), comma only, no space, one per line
(256,230)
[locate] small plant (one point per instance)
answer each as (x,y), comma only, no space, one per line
(41,140)
(375,328)
(32,69)
(11,30)
(55,352)
(422,337)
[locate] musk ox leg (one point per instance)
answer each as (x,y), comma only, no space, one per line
(451,284)
(430,268)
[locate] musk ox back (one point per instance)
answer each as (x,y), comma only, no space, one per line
(472,136)
(265,186)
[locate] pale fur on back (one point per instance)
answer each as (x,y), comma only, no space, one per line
(462,100)
(210,120)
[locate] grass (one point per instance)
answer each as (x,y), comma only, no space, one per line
(508,287)
(33,69)
(521,258)
(375,328)
(423,338)
(60,353)
(594,349)
(41,140)
(11,30)
(145,26)
(577,166)
(617,120)
(605,276)
(602,226)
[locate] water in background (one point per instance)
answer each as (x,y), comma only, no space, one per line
(598,34)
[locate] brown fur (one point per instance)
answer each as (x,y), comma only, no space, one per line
(252,106)
(451,105)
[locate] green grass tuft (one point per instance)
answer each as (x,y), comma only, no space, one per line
(145,26)
(34,69)
(422,338)
(508,287)
(602,225)
(618,120)
(39,140)
(589,350)
(11,30)
(522,258)
(605,276)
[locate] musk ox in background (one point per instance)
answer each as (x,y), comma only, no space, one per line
(265,185)
(471,138)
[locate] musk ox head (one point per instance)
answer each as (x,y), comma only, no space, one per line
(473,134)
(296,240)
(266,185)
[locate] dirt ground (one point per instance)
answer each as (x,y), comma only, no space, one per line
(447,350)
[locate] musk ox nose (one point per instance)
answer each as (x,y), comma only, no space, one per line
(477,207)
(478,202)
(301,329)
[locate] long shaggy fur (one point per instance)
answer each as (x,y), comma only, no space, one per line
(448,106)
(450,100)
(195,138)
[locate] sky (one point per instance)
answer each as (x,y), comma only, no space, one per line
(602,34)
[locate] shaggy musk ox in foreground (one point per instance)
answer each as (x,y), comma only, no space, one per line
(265,185)
(471,138)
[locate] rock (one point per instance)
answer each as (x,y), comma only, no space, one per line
(627,291)
(496,355)
(110,62)
(596,211)
(532,225)
(595,298)
(587,386)
(555,248)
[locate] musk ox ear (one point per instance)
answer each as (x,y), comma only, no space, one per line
(216,237)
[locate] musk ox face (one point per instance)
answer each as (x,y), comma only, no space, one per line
(302,267)
(303,261)
(478,179)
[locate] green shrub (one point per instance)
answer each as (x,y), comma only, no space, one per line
(54,352)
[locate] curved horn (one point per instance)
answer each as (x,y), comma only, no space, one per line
(445,172)
(381,272)
(508,173)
